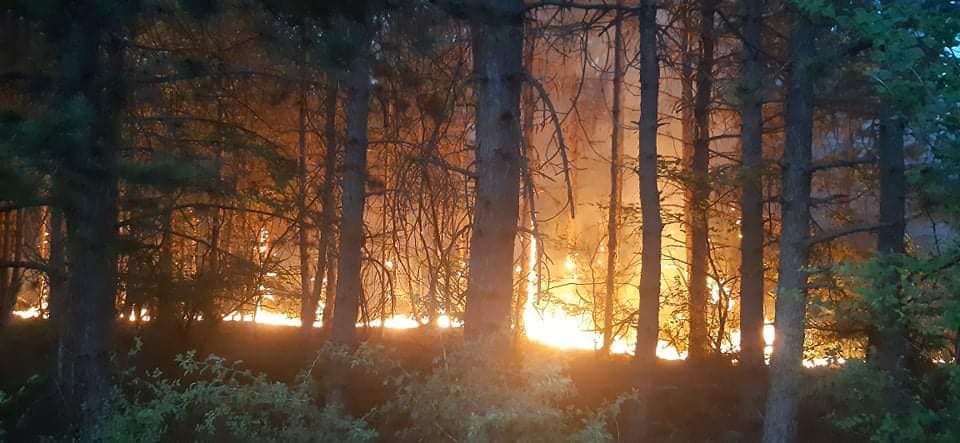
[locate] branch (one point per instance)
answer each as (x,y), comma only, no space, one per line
(855,229)
(36,266)
(559,133)
(821,165)
(566,4)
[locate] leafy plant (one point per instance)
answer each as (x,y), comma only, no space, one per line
(213,399)
(472,397)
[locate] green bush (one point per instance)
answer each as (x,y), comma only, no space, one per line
(216,400)
(861,408)
(471,397)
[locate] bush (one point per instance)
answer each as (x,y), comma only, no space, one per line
(216,400)
(861,408)
(471,397)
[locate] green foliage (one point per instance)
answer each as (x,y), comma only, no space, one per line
(471,397)
(861,408)
(216,400)
(916,292)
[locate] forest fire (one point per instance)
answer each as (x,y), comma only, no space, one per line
(530,195)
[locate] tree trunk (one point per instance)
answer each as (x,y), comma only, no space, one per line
(56,297)
(751,197)
(497,58)
(91,216)
(526,211)
(699,191)
(786,363)
(328,215)
(303,240)
(649,314)
(751,217)
(349,290)
(167,315)
(616,183)
(889,342)
(330,292)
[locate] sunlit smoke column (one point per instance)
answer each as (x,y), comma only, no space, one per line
(497,31)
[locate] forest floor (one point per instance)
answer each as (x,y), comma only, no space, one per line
(692,402)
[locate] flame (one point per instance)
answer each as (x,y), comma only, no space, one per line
(31,312)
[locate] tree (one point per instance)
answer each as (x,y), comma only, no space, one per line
(783,395)
(699,193)
(497,32)
(357,106)
(751,196)
(616,181)
(649,313)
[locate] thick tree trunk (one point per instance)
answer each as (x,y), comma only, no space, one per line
(751,197)
(649,313)
(328,215)
(783,395)
(350,290)
(91,216)
(497,56)
(699,192)
(890,347)
(751,218)
(616,183)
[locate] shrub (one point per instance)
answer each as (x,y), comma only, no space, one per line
(861,408)
(216,400)
(472,398)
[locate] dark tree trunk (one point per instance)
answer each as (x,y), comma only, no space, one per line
(167,315)
(331,291)
(890,345)
(328,215)
(751,197)
(303,240)
(783,395)
(526,209)
(349,290)
(699,192)
(56,297)
(751,217)
(649,313)
(12,249)
(497,56)
(616,183)
(83,365)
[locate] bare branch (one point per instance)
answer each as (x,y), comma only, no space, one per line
(849,230)
(559,134)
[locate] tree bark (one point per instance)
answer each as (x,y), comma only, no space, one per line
(616,182)
(350,290)
(88,317)
(649,312)
(889,342)
(497,33)
(751,197)
(786,363)
(328,216)
(303,240)
(699,190)
(167,314)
